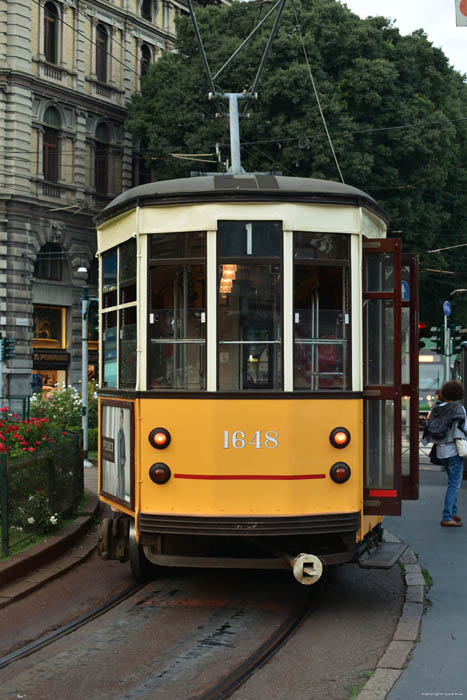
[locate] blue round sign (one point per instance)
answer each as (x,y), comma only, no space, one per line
(447,308)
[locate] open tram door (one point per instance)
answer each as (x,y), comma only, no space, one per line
(390,376)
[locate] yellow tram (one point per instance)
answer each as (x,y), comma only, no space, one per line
(258,402)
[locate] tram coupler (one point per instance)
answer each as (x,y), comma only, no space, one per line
(307,568)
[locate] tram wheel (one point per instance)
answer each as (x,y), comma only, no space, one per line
(141,568)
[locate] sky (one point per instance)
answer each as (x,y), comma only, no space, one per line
(436,17)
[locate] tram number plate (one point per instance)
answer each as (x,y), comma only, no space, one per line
(237,439)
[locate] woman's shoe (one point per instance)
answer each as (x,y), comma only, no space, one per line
(450,523)
(457,518)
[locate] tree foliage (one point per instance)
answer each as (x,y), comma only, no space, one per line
(396,111)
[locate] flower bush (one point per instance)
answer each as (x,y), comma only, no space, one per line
(26,435)
(62,406)
(34,514)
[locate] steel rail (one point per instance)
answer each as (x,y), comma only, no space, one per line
(70,627)
(224,688)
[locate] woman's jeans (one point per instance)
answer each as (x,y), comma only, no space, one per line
(454,467)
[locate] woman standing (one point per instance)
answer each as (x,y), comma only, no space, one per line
(446,423)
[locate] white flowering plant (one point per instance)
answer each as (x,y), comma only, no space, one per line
(34,514)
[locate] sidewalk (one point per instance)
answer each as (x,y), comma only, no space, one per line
(437,666)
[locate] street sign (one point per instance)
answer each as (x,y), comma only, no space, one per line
(461,13)
(447,308)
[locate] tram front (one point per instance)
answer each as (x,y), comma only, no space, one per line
(252,379)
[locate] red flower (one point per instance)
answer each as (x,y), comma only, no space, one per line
(64,432)
(31,449)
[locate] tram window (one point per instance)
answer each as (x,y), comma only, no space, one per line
(260,239)
(379,272)
(249,305)
(379,434)
(109,283)
(127,364)
(177,326)
(379,342)
(321,246)
(109,348)
(178,245)
(127,272)
(321,312)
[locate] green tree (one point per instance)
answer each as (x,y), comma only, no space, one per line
(394,107)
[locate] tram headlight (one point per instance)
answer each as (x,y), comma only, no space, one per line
(160,438)
(160,473)
(339,437)
(340,472)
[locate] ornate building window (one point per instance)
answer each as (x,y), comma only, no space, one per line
(146,10)
(51,145)
(145,58)
(102,42)
(101,160)
(51,34)
(48,265)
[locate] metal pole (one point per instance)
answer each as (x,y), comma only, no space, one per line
(4,504)
(84,374)
(446,349)
(236,167)
(1,367)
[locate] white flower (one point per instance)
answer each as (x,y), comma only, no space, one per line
(53,519)
(31,520)
(31,498)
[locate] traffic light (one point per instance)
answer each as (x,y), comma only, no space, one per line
(422,331)
(437,337)
(457,338)
(8,348)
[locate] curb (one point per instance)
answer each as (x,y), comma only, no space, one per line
(35,565)
(392,663)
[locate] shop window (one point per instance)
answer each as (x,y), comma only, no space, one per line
(49,327)
(50,149)
(48,265)
(102,154)
(102,41)
(51,32)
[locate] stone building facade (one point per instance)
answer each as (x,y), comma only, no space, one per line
(67,68)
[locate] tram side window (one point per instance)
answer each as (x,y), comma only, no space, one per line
(177,311)
(321,311)
(118,316)
(249,305)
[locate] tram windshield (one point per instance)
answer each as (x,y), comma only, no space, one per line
(249,305)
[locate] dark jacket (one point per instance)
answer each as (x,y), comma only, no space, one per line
(445,423)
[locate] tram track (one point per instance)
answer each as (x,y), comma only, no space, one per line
(224,688)
(219,689)
(70,627)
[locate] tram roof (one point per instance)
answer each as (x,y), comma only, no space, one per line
(247,187)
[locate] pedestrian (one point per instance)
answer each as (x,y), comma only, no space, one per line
(447,422)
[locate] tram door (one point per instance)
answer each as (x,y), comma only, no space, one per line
(389,376)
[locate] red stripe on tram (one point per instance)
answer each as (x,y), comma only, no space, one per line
(383,493)
(248,477)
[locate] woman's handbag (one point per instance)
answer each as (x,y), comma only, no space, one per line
(461,445)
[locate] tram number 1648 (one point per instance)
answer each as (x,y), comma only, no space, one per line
(238,440)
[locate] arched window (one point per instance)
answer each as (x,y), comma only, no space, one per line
(51,32)
(146,10)
(48,265)
(101,169)
(102,41)
(50,145)
(145,59)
